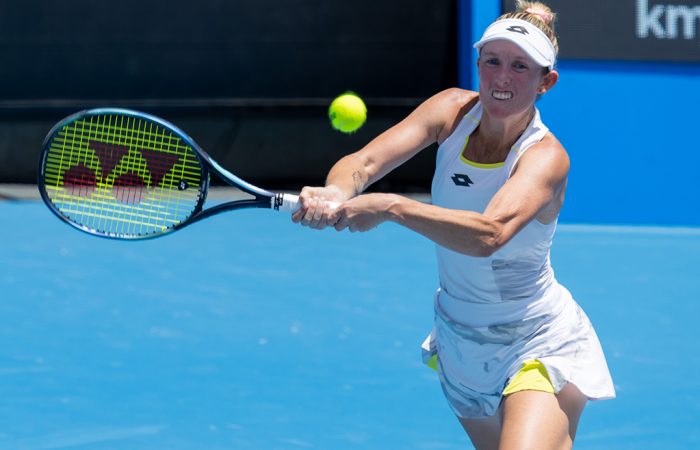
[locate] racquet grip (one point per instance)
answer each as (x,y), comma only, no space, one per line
(290,203)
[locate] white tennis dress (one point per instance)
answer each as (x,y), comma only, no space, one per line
(493,313)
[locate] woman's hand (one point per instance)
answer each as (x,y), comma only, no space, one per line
(317,206)
(363,212)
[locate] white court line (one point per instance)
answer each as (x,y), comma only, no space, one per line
(629,229)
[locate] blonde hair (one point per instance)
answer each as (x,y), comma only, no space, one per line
(538,14)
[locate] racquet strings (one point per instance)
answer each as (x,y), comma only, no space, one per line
(121,175)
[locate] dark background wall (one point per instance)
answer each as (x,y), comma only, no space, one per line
(250,80)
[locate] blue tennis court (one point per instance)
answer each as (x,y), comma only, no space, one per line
(249,332)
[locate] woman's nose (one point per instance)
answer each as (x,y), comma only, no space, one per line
(503,75)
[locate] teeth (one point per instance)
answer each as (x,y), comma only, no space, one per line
(502,95)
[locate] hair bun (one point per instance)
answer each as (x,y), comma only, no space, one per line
(544,15)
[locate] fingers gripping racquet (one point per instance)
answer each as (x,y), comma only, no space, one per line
(124,174)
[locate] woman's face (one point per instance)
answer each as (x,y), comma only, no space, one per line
(509,80)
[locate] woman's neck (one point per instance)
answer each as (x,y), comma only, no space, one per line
(493,138)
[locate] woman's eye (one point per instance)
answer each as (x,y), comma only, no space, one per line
(492,62)
(520,66)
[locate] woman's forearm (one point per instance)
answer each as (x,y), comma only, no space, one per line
(349,175)
(465,232)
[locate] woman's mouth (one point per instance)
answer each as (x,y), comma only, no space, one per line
(502,95)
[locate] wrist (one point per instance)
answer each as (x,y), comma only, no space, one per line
(394,208)
(337,193)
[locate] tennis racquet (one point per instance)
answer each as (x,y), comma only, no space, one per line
(124,174)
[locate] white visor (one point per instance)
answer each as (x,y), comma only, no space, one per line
(526,36)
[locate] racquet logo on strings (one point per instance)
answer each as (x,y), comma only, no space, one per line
(144,168)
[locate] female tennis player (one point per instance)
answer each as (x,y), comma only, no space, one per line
(517,357)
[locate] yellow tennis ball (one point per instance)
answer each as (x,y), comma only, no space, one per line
(347,112)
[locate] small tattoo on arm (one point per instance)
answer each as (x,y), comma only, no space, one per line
(357,182)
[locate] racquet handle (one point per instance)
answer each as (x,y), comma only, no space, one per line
(290,203)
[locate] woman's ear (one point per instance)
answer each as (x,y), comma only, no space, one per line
(548,81)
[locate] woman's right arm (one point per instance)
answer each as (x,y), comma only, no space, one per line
(430,122)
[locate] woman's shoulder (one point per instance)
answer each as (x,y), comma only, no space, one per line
(452,104)
(549,153)
(457,98)
(551,144)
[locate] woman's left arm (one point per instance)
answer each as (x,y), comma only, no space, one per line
(535,188)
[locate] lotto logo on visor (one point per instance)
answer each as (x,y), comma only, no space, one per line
(526,36)
(517,29)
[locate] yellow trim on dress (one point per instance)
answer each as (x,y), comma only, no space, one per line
(433,363)
(531,377)
(476,164)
